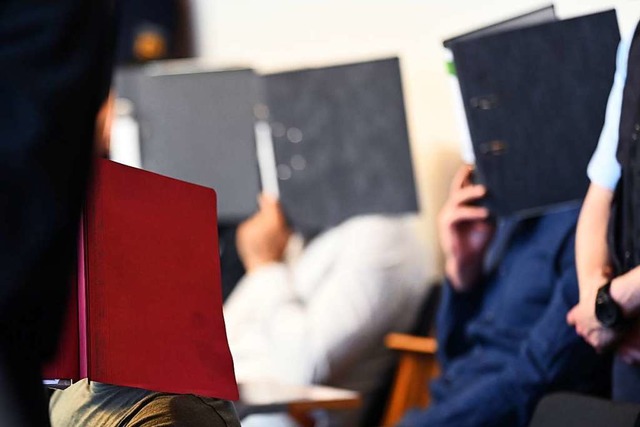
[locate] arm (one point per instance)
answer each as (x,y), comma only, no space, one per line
(591,240)
(262,239)
(592,255)
(257,296)
(465,232)
(552,354)
(592,262)
(625,290)
(318,337)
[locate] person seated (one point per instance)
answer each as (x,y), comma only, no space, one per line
(502,337)
(318,313)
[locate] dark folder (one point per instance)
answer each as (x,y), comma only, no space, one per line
(147,308)
(535,100)
(341,144)
(199,127)
(539,16)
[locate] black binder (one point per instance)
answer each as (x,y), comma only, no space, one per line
(341,143)
(538,16)
(535,101)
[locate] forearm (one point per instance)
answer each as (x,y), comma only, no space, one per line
(250,313)
(592,255)
(625,290)
(507,398)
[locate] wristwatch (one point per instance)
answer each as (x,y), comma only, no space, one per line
(608,312)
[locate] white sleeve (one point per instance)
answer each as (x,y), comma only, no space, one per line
(604,168)
(252,302)
(306,341)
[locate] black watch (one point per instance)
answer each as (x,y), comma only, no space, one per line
(608,312)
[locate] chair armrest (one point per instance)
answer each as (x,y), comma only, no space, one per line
(413,343)
(417,365)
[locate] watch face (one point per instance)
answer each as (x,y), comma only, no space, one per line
(606,314)
(607,311)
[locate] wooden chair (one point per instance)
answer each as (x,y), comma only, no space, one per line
(416,367)
(416,362)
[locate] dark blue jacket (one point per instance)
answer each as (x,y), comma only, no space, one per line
(504,345)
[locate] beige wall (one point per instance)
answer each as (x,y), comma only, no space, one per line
(274,35)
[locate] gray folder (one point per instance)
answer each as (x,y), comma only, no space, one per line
(199,127)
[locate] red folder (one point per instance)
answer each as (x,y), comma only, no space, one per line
(147,308)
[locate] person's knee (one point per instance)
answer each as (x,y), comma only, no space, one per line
(195,411)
